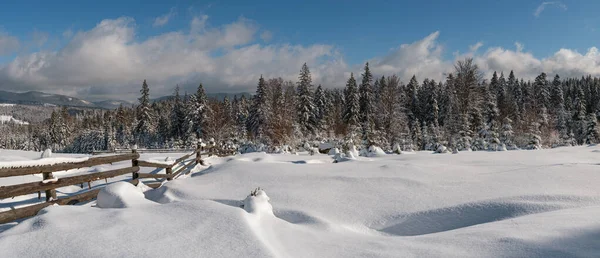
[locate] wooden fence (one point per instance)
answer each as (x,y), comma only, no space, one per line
(50,184)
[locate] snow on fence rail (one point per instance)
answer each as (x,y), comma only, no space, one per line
(49,183)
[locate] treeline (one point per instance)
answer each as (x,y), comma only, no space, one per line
(463,112)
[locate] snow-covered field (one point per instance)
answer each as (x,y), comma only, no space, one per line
(10,119)
(507,204)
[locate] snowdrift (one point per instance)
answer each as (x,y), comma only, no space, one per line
(476,204)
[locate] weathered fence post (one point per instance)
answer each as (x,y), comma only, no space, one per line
(198,153)
(52,192)
(169,172)
(134,163)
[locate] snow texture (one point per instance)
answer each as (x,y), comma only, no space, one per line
(10,119)
(542,203)
(121,195)
(40,162)
(46,153)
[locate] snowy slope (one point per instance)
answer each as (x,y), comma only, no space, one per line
(479,204)
(4,119)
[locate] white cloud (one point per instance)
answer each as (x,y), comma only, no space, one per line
(107,61)
(474,48)
(164,19)
(543,5)
(266,36)
(39,38)
(8,44)
(422,58)
(67,33)
(519,46)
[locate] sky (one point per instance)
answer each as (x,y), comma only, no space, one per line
(104,49)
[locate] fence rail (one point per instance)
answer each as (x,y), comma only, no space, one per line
(50,184)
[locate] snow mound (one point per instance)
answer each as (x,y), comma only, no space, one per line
(258,203)
(441,149)
(352,152)
(46,154)
(121,195)
(375,151)
(334,151)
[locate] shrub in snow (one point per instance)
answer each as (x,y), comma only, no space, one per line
(397,149)
(121,195)
(334,151)
(258,203)
(455,151)
(375,151)
(501,147)
(441,149)
(325,147)
(352,152)
(47,153)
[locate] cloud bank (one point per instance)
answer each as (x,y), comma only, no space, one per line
(107,62)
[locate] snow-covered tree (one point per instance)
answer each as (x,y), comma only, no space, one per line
(145,118)
(305,104)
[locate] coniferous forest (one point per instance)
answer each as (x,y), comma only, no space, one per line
(463,112)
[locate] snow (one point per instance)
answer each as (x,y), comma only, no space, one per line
(258,204)
(6,105)
(10,119)
(46,153)
(40,162)
(543,203)
(121,195)
(51,180)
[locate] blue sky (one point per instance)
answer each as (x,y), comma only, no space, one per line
(335,38)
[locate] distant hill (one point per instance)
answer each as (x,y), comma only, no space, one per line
(41,98)
(219,96)
(112,104)
(46,99)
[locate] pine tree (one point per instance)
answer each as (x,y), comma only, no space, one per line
(507,135)
(320,107)
(242,113)
(177,117)
(579,115)
(259,111)
(144,127)
(592,135)
(366,102)
(200,113)
(412,100)
(306,106)
(557,103)
(351,99)
(517,95)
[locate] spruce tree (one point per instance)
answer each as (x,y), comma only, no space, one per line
(579,115)
(145,118)
(305,105)
(177,116)
(517,95)
(592,135)
(320,107)
(259,111)
(366,102)
(352,107)
(200,112)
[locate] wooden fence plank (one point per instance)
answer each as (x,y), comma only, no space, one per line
(142,163)
(29,211)
(184,167)
(149,175)
(27,188)
(93,161)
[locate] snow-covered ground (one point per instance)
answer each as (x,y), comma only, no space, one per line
(480,204)
(10,119)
